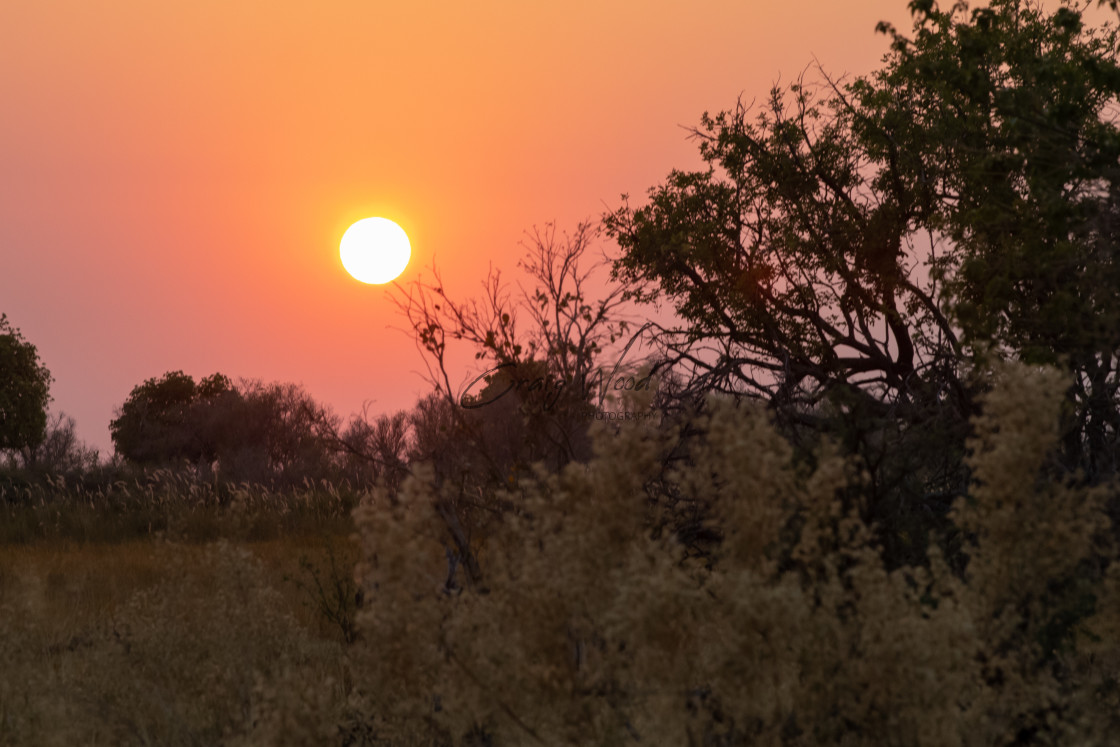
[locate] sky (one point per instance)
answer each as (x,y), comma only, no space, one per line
(175,177)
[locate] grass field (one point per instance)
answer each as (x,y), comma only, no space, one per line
(155,642)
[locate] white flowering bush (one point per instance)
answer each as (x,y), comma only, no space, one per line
(586,630)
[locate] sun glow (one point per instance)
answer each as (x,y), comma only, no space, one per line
(375,250)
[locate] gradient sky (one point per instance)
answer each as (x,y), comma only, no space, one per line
(175,176)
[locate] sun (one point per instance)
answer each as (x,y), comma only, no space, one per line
(375,250)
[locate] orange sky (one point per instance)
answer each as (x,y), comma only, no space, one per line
(175,177)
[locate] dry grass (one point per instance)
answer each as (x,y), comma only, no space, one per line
(167,504)
(70,585)
(151,642)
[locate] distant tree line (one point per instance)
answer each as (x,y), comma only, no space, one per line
(253,432)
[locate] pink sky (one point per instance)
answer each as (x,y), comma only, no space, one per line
(175,177)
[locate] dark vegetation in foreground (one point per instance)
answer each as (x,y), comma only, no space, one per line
(878,504)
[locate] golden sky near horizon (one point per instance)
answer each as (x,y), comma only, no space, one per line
(175,177)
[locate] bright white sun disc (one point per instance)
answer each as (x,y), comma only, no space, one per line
(375,250)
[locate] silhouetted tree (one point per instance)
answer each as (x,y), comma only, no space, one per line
(24,390)
(249,432)
(854,250)
(540,349)
(373,449)
(171,419)
(283,433)
(60,452)
(1002,123)
(791,263)
(550,363)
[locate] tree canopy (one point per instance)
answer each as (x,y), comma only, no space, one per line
(24,390)
(1003,121)
(858,253)
(251,431)
(164,419)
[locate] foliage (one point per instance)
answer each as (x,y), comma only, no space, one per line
(798,280)
(278,432)
(794,262)
(570,327)
(60,452)
(584,629)
(331,591)
(251,432)
(546,374)
(1003,122)
(162,420)
(24,390)
(536,398)
(855,254)
(373,449)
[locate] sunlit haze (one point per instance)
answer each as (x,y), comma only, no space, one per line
(175,178)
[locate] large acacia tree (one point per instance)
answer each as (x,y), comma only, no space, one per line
(1005,119)
(854,250)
